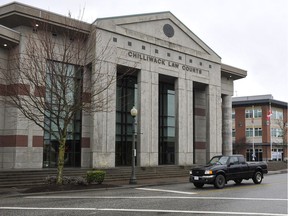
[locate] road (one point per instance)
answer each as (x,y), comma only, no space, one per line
(268,198)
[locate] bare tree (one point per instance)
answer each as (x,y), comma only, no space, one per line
(283,130)
(55,76)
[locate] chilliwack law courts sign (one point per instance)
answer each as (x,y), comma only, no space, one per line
(164,62)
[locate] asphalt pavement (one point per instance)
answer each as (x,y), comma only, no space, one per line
(12,192)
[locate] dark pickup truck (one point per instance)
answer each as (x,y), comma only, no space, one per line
(221,169)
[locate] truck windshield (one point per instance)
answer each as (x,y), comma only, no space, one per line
(219,160)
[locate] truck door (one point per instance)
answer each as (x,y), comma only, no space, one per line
(245,171)
(234,168)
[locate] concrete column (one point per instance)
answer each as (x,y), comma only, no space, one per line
(214,115)
(184,122)
(102,141)
(148,88)
(226,125)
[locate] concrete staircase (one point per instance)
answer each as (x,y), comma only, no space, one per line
(23,178)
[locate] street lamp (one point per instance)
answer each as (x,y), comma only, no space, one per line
(133,113)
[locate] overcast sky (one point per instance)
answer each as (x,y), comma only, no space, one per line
(248,34)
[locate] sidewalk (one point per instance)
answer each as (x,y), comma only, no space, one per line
(14,192)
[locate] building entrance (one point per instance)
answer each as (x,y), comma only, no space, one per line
(126,98)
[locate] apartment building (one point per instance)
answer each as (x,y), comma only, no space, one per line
(259,127)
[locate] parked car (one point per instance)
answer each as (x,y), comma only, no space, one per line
(221,169)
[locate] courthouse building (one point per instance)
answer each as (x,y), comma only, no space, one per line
(180,87)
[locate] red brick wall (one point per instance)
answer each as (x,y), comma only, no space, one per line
(240,127)
(265,125)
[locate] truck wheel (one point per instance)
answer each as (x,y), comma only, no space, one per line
(238,181)
(219,181)
(257,178)
(198,185)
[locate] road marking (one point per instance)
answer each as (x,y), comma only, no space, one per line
(143,210)
(168,191)
(154,197)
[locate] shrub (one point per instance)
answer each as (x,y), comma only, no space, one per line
(95,176)
(50,179)
(73,180)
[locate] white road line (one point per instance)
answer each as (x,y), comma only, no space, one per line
(168,191)
(154,197)
(143,210)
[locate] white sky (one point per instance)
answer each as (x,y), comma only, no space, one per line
(248,34)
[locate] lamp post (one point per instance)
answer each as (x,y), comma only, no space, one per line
(133,113)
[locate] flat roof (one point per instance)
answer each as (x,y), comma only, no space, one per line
(257,99)
(232,72)
(15,14)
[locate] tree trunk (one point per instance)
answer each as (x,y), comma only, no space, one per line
(60,166)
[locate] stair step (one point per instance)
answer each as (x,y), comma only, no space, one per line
(21,178)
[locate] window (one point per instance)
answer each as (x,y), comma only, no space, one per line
(234,160)
(249,132)
(233,114)
(277,132)
(167,123)
(63,91)
(126,98)
(257,113)
(233,132)
(277,154)
(257,132)
(257,157)
(248,113)
(276,114)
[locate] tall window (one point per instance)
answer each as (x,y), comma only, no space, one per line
(126,98)
(233,114)
(72,77)
(233,132)
(167,115)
